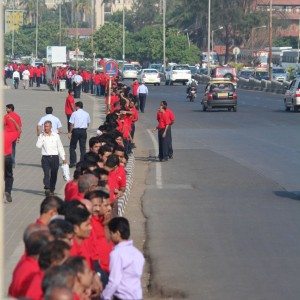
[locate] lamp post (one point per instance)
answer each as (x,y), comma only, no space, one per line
(208,39)
(60,22)
(36,29)
(164,33)
(13,31)
(123,55)
(298,58)
(270,39)
(252,37)
(212,37)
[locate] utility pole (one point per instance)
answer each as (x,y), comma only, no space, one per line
(123,55)
(36,29)
(208,39)
(60,3)
(164,33)
(298,58)
(13,31)
(270,39)
(92,23)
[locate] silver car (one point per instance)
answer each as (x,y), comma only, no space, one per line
(129,72)
(279,74)
(292,96)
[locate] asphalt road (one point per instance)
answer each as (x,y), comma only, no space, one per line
(223,215)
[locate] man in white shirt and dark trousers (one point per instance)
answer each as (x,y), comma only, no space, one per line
(16,78)
(52,148)
(56,124)
(79,122)
(142,92)
(77,83)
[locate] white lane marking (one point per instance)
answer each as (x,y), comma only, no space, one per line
(157,165)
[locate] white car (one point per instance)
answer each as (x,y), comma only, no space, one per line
(292,96)
(129,72)
(178,73)
(149,76)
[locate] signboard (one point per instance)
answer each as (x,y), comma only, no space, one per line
(14,19)
(236,50)
(56,54)
(111,68)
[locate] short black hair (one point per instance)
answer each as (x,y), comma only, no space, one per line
(10,106)
(70,91)
(96,194)
(49,110)
(53,251)
(104,148)
(112,161)
(119,148)
(59,228)
(51,202)
(75,263)
(164,103)
(58,276)
(77,215)
(120,224)
(79,104)
(36,241)
(93,140)
(91,157)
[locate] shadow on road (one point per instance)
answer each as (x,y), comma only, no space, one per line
(33,192)
(290,195)
(29,165)
(149,158)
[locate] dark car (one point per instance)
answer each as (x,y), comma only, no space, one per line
(220,93)
(259,75)
(246,74)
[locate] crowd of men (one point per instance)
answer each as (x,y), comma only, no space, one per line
(79,248)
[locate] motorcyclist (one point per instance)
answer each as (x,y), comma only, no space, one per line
(191,84)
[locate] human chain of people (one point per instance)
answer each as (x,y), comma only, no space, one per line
(79,247)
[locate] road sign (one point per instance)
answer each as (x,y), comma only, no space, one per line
(236,50)
(111,68)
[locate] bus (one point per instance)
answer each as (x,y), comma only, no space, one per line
(290,59)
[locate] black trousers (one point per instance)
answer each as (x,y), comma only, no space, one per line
(69,125)
(78,135)
(132,130)
(31,79)
(162,145)
(77,90)
(169,141)
(38,81)
(142,100)
(8,173)
(50,165)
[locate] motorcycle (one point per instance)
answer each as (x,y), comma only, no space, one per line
(192,94)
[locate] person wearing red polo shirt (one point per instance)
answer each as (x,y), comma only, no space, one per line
(171,117)
(13,123)
(69,107)
(9,138)
(134,88)
(100,243)
(97,82)
(38,74)
(81,220)
(31,76)
(124,126)
(162,127)
(28,264)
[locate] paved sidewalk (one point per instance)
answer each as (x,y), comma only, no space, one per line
(28,190)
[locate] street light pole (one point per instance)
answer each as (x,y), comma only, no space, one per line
(36,28)
(208,39)
(92,23)
(270,39)
(13,31)
(164,33)
(298,58)
(252,37)
(60,22)
(123,56)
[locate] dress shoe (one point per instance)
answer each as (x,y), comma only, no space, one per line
(47,192)
(8,197)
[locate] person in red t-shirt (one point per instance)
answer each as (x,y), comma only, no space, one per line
(134,88)
(38,74)
(31,76)
(99,239)
(97,82)
(69,107)
(171,117)
(124,126)
(162,127)
(13,123)
(28,264)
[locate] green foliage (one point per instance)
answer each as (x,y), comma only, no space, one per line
(288,41)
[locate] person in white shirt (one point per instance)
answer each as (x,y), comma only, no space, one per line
(16,78)
(25,75)
(79,122)
(77,83)
(56,124)
(52,149)
(142,92)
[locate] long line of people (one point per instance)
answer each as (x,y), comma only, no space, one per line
(78,248)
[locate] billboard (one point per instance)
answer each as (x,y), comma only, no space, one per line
(14,19)
(56,54)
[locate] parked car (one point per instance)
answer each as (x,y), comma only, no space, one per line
(220,93)
(224,72)
(193,70)
(260,74)
(129,72)
(178,73)
(245,73)
(149,76)
(279,74)
(292,96)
